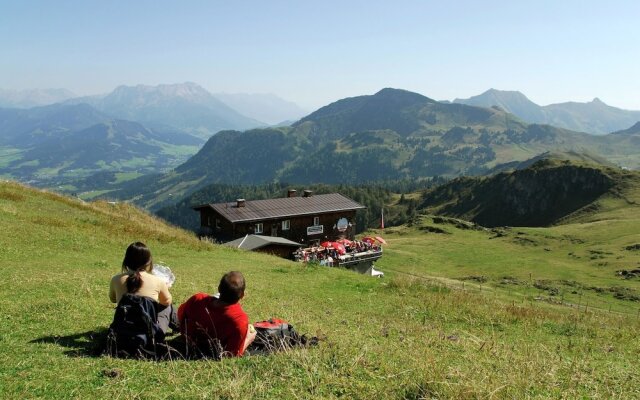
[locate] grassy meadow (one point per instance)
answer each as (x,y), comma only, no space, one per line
(414,334)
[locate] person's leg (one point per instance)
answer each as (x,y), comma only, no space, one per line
(167,318)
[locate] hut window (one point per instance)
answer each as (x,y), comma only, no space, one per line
(258,228)
(316,221)
(217,223)
(286,225)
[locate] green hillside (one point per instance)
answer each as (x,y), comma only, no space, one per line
(414,334)
(543,193)
(65,146)
(391,135)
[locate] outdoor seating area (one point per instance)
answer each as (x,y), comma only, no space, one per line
(343,252)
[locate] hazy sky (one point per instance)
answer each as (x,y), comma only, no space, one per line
(317,52)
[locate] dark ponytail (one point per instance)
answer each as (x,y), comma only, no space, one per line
(133,282)
(137,258)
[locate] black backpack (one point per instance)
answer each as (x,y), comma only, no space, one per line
(277,335)
(134,331)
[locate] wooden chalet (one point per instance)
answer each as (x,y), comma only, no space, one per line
(308,219)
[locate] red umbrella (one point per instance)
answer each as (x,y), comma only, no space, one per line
(345,242)
(381,240)
(339,248)
(326,244)
(368,239)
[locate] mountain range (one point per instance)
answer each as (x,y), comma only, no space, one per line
(33,97)
(391,135)
(594,117)
(187,107)
(173,119)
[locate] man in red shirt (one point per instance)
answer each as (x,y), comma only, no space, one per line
(218,327)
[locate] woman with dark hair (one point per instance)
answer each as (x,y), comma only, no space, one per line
(136,278)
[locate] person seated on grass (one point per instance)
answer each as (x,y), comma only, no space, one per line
(217,326)
(136,278)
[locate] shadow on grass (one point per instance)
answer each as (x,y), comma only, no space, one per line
(86,344)
(94,344)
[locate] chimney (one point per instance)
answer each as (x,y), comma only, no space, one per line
(307,193)
(291,193)
(240,203)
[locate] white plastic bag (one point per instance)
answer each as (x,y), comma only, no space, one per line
(165,273)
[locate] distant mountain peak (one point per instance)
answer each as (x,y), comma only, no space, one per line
(266,107)
(388,90)
(33,97)
(594,116)
(493,95)
(187,90)
(504,92)
(397,94)
(511,101)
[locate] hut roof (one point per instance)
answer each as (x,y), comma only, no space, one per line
(257,210)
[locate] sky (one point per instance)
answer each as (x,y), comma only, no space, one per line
(314,53)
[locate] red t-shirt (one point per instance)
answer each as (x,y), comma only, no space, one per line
(203,318)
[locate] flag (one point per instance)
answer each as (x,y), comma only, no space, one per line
(382,218)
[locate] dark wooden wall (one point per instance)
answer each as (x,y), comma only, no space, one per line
(297,232)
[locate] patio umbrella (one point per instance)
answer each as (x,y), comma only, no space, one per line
(368,239)
(339,248)
(381,240)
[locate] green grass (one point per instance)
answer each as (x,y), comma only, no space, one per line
(52,171)
(127,176)
(181,152)
(397,337)
(92,194)
(571,264)
(9,155)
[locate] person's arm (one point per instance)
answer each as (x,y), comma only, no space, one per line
(112,291)
(236,343)
(164,297)
(182,310)
(251,336)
